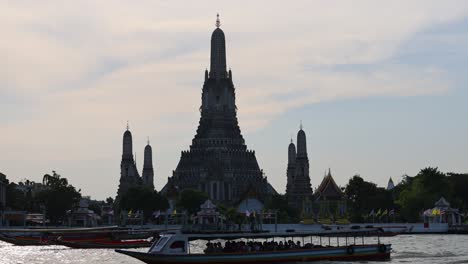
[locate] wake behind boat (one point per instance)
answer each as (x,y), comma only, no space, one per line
(174,247)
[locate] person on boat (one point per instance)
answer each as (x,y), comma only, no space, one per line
(241,246)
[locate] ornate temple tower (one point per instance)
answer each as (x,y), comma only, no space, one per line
(218,161)
(291,170)
(301,187)
(148,173)
(128,172)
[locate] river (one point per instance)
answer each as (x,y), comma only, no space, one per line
(413,249)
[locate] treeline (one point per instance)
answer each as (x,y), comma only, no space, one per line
(54,196)
(409,198)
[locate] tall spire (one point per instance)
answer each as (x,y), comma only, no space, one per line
(148,172)
(218,53)
(291,153)
(128,126)
(127,150)
(301,143)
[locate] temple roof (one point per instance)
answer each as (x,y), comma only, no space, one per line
(442,203)
(328,189)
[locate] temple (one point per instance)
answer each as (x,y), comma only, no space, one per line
(298,186)
(390,184)
(330,199)
(129,176)
(328,202)
(218,161)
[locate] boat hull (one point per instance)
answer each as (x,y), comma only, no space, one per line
(358,253)
(106,244)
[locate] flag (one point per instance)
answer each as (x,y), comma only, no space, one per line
(130,213)
(391,212)
(384,212)
(174,212)
(442,212)
(434,211)
(372,213)
(378,212)
(247,213)
(156,214)
(111,212)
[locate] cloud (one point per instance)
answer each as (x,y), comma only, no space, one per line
(72,74)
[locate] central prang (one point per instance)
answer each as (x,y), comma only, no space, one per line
(218,162)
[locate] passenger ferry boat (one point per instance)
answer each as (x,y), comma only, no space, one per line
(174,247)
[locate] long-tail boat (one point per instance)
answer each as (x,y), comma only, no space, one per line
(106,243)
(174,247)
(46,236)
(83,237)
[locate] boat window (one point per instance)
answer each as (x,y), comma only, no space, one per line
(159,245)
(178,244)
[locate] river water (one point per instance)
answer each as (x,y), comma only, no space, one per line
(413,249)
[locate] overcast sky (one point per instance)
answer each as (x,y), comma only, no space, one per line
(380,86)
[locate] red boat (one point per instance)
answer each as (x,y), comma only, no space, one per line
(40,237)
(105,243)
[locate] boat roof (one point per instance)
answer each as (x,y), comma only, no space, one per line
(233,235)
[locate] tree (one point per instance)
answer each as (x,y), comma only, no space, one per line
(363,197)
(459,186)
(191,200)
(422,191)
(109,201)
(58,197)
(285,213)
(144,199)
(15,199)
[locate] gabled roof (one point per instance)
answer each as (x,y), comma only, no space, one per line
(442,203)
(328,189)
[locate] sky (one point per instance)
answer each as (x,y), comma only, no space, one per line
(380,86)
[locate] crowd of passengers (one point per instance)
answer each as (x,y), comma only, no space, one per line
(251,246)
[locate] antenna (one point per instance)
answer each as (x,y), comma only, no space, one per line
(128,126)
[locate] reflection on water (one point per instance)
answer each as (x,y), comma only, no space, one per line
(413,249)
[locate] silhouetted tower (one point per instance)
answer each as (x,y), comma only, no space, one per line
(390,184)
(128,172)
(218,161)
(301,187)
(291,169)
(148,173)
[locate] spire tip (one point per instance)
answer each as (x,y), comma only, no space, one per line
(218,23)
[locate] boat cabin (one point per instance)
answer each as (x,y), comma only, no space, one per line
(171,243)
